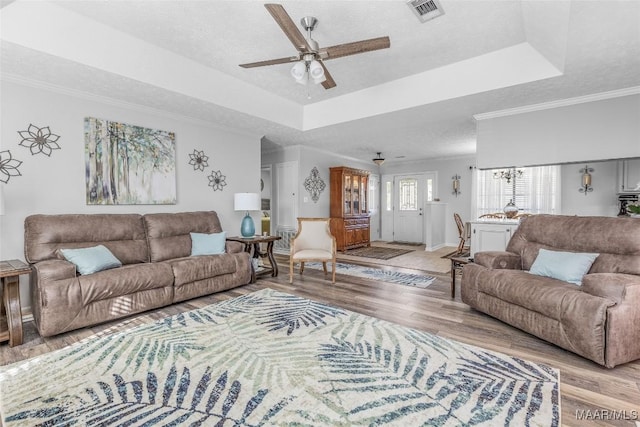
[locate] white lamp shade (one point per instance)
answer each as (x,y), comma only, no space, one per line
(320,79)
(315,69)
(1,200)
(299,70)
(246,202)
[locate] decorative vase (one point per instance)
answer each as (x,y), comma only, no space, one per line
(511,210)
(247,229)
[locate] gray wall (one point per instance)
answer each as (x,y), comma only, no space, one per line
(603,129)
(56,184)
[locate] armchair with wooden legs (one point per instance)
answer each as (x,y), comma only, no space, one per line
(313,242)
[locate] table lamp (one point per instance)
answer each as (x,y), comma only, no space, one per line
(247,202)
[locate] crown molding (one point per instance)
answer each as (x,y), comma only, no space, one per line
(634,90)
(62,90)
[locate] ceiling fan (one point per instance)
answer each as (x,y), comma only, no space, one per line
(310,58)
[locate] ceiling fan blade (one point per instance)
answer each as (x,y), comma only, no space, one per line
(271,62)
(353,48)
(329,82)
(288,26)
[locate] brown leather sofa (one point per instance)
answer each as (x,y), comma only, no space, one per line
(157,267)
(597,320)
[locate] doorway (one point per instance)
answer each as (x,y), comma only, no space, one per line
(265,195)
(410,192)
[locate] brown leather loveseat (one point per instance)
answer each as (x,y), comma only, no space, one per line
(157,269)
(598,319)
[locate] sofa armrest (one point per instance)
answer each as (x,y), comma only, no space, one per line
(623,335)
(498,260)
(234,247)
(54,269)
(614,286)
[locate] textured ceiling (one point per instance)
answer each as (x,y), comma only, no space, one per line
(595,46)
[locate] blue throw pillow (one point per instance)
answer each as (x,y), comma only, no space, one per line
(566,266)
(91,260)
(208,244)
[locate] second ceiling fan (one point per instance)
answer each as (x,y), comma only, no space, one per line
(310,58)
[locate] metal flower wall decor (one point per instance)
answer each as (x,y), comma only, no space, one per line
(8,166)
(198,160)
(217,181)
(39,140)
(314,184)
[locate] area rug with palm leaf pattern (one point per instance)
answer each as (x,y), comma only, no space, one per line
(270,358)
(375,273)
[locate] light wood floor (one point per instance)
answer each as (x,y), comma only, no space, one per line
(584,385)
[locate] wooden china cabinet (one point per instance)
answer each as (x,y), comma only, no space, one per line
(349,207)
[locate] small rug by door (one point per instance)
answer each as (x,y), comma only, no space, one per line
(270,358)
(417,280)
(377,252)
(406,243)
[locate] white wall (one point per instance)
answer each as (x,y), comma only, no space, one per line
(56,184)
(603,129)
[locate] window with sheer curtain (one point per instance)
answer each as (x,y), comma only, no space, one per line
(536,191)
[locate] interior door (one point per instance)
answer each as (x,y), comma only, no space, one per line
(408,215)
(287,189)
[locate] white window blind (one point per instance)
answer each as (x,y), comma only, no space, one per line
(536,191)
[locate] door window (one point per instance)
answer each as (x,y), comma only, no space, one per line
(408,194)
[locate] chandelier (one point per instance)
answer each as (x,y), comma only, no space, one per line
(508,174)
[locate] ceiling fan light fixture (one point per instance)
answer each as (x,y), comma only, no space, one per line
(299,71)
(315,69)
(321,79)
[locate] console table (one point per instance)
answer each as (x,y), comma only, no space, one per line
(252,246)
(10,272)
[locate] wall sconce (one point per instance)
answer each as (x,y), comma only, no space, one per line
(456,184)
(586,180)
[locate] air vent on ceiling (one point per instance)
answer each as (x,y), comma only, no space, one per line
(426,10)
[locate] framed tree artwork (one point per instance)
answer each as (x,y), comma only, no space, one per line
(128,165)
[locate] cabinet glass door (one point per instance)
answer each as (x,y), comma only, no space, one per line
(347,195)
(356,194)
(363,195)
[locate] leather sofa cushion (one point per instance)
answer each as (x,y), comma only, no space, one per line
(168,233)
(125,280)
(123,234)
(541,294)
(192,269)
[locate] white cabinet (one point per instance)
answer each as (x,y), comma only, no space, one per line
(629,176)
(491,236)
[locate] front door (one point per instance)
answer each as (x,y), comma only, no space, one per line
(408,218)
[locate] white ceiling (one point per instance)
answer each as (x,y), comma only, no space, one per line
(416,99)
